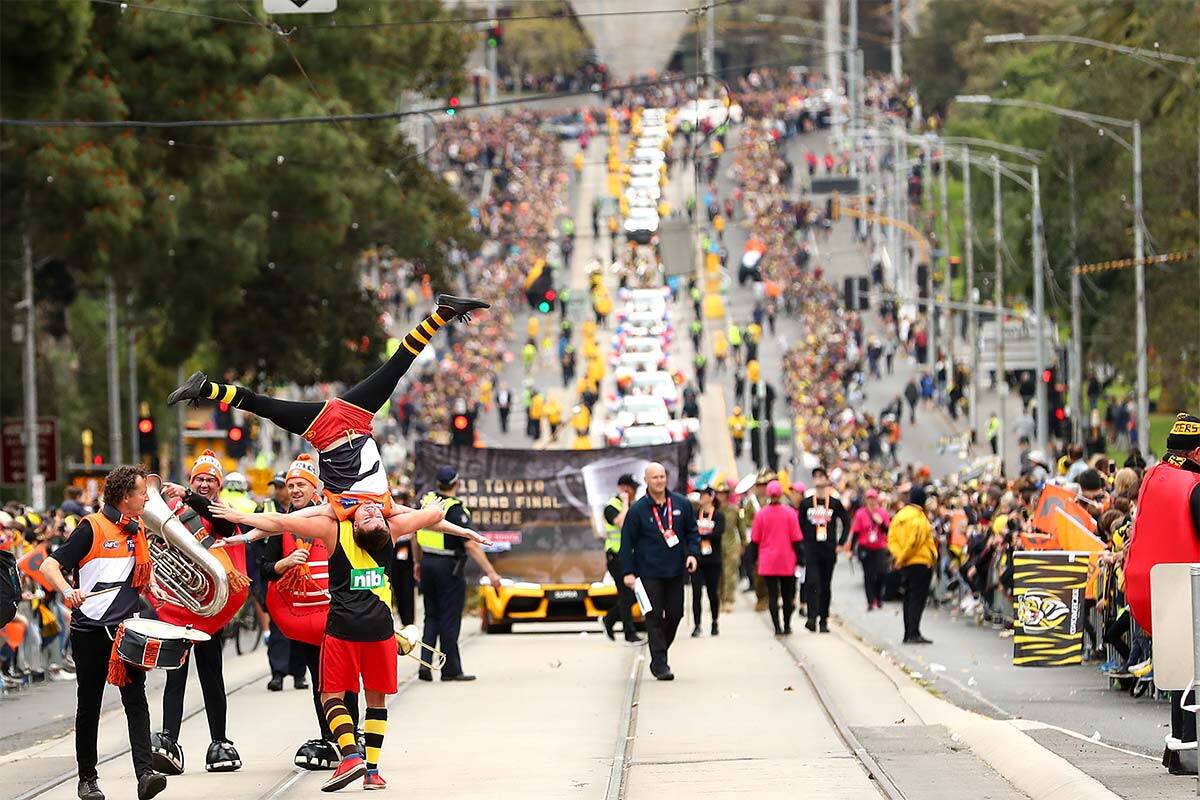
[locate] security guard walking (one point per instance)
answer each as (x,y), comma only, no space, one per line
(440,563)
(614,518)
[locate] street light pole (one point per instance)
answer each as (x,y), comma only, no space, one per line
(1139,276)
(493,58)
(114,377)
(132,405)
(998,243)
(897,67)
(1076,370)
(29,370)
(969,265)
(1039,311)
(947,285)
(930,306)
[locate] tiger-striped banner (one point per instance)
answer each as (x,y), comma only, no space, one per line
(1048,591)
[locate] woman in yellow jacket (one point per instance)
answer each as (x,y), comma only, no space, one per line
(914,552)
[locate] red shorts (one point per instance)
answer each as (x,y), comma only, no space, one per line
(343,663)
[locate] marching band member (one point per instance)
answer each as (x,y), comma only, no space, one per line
(107,551)
(297,574)
(351,467)
(358,650)
(193,507)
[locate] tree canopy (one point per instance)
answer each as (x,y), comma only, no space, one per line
(238,243)
(951,57)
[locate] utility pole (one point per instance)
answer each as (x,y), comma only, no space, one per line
(832,19)
(132,405)
(492,55)
(947,314)
(1001,378)
(1143,379)
(33,478)
(1039,310)
(1076,366)
(852,83)
(710,41)
(114,377)
(930,306)
(972,315)
(897,67)
(180,425)
(898,197)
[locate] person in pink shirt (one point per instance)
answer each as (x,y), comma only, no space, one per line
(868,534)
(776,532)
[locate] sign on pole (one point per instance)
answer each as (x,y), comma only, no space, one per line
(299,6)
(12,450)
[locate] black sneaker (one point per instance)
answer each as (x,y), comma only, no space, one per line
(459,677)
(89,789)
(150,784)
(696,632)
(192,389)
(299,683)
(609,628)
(275,684)
(166,756)
(824,627)
(460,307)
(222,757)
(715,631)
(424,675)
(663,674)
(811,625)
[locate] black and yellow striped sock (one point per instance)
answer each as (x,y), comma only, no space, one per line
(374,727)
(226,393)
(341,726)
(415,340)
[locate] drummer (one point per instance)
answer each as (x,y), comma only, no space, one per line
(107,551)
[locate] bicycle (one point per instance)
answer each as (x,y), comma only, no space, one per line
(244,629)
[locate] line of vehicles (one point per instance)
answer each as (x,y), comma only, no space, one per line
(646,175)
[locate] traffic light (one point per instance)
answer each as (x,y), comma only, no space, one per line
(540,290)
(495,35)
(1060,421)
(235,441)
(147,435)
(452,106)
(462,429)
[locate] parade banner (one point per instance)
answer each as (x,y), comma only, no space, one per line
(544,508)
(1048,592)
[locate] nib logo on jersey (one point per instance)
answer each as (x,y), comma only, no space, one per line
(366,580)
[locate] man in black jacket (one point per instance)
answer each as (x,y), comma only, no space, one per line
(825,524)
(659,542)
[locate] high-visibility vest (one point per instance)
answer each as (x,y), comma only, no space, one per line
(612,533)
(432,541)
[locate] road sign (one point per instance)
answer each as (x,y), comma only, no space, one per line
(12,450)
(299,6)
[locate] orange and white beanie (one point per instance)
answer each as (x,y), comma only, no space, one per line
(306,469)
(210,464)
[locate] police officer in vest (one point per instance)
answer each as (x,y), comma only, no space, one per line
(440,563)
(614,518)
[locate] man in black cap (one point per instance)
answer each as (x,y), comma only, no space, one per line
(825,524)
(614,517)
(659,542)
(439,564)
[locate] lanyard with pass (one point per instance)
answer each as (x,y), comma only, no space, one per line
(666,530)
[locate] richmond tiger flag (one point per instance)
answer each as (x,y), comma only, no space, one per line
(1048,591)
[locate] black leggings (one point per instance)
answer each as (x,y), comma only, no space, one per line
(207,656)
(781,586)
(707,577)
(371,393)
(1115,633)
(295,416)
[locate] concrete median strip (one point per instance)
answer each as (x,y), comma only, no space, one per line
(1002,744)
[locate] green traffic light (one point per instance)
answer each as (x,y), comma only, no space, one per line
(544,307)
(491,42)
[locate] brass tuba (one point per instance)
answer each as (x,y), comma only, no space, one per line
(182,566)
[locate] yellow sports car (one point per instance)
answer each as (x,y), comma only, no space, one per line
(519,601)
